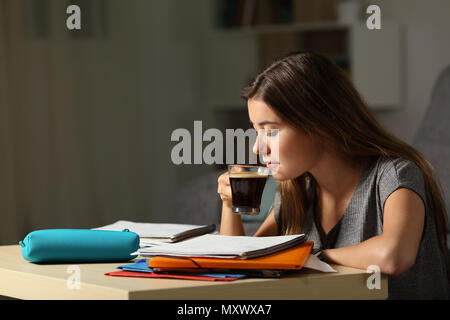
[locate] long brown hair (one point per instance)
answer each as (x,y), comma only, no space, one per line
(313,94)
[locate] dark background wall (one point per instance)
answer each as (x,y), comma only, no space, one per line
(86,117)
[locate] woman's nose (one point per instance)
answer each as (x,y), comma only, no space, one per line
(261,146)
(255,146)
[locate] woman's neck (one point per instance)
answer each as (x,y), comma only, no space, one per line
(336,177)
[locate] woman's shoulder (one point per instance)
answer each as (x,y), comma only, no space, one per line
(394,173)
(397,169)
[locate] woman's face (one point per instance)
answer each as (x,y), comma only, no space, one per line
(289,151)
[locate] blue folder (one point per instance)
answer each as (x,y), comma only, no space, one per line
(142,266)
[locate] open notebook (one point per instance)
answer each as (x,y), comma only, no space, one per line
(152,234)
(219,246)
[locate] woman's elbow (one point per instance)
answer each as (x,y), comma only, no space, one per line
(394,263)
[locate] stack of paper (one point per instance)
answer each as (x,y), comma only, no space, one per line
(152,234)
(239,253)
(212,257)
(219,246)
(141,269)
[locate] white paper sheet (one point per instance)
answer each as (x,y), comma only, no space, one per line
(150,230)
(316,264)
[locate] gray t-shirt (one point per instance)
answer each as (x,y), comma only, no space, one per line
(363,219)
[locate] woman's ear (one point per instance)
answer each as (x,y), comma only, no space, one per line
(317,138)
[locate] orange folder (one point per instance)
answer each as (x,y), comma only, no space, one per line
(288,259)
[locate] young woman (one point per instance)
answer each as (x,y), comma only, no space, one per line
(363,196)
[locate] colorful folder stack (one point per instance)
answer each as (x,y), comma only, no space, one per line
(141,269)
(219,269)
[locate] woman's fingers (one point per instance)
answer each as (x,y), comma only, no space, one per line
(224,192)
(224,178)
(223,187)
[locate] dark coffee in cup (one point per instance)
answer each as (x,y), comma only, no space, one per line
(246,189)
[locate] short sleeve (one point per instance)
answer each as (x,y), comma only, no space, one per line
(401,173)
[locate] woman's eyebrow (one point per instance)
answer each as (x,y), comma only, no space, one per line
(265,122)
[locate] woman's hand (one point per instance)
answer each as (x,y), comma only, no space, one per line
(224,189)
(231,224)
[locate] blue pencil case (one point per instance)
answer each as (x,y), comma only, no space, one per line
(79,245)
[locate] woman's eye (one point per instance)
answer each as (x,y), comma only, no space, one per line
(267,132)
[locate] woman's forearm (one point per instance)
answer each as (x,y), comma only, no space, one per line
(376,251)
(231,224)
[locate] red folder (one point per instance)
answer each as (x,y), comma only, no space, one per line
(167,276)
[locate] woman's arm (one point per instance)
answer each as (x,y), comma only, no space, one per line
(231,224)
(268,227)
(395,250)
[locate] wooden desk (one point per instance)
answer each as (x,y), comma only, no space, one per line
(24,280)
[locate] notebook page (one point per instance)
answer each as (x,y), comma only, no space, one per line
(211,245)
(316,264)
(150,230)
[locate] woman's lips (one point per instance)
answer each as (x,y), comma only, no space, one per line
(272,164)
(273,167)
